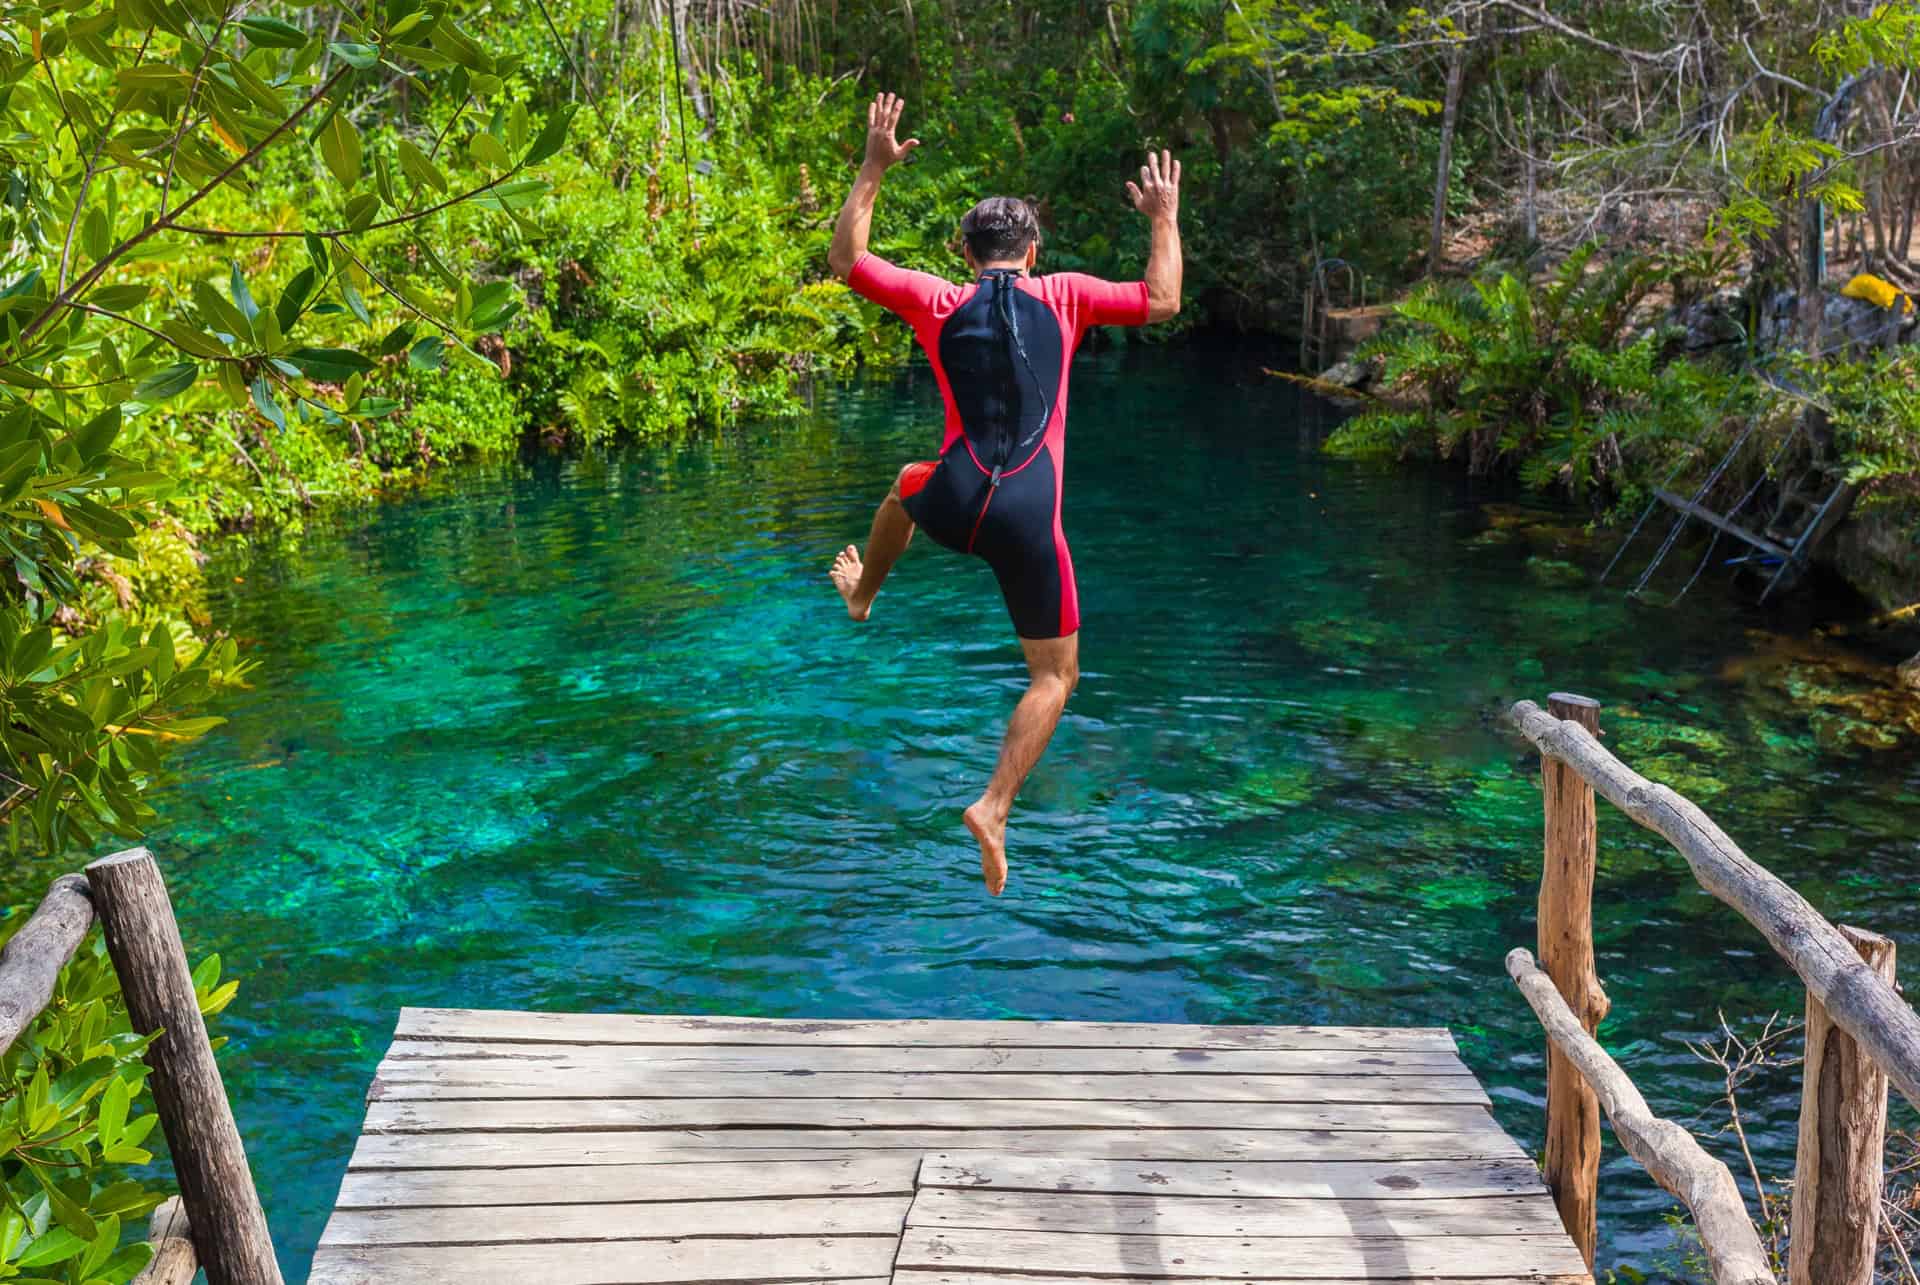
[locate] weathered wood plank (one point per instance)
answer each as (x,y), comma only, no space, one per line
(652,1220)
(31,961)
(545,1115)
(939,1277)
(626,1028)
(1189,1215)
(888,1059)
(1571,1163)
(1839,1169)
(491,1150)
(1668,1152)
(1369,1180)
(865,1260)
(883,1174)
(174,1261)
(1162,1258)
(1859,1000)
(414,1080)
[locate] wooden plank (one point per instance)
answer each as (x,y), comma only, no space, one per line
(653,1220)
(867,1260)
(626,1028)
(547,1115)
(399,1081)
(1163,1258)
(174,1261)
(888,1059)
(882,1174)
(939,1277)
(492,1150)
(1734,529)
(1186,1215)
(1373,1179)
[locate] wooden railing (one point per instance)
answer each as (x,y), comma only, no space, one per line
(222,1229)
(1860,1033)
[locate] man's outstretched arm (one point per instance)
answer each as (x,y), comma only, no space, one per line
(856,216)
(1157,195)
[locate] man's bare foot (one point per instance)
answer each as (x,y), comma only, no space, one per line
(846,578)
(991,832)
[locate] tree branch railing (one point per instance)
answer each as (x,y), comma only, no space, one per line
(217,1222)
(1861,1034)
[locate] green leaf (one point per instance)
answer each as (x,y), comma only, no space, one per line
(192,339)
(216,309)
(331,365)
(242,297)
(56,1246)
(493,306)
(489,150)
(428,354)
(273,33)
(355,304)
(340,148)
(264,403)
(127,1262)
(93,438)
(552,137)
(358,56)
(419,167)
(119,298)
(361,209)
(294,298)
(113,1113)
(513,196)
(167,382)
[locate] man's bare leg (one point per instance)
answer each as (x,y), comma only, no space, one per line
(1053,668)
(859,581)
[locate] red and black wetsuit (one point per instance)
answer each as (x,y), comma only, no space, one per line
(1000,348)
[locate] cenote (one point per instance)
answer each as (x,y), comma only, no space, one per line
(595,734)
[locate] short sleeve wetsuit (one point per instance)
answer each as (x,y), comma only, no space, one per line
(1000,349)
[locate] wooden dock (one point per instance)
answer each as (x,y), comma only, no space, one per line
(541,1149)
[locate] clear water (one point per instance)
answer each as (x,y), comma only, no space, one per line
(598,735)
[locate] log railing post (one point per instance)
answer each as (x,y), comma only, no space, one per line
(1838,1171)
(228,1227)
(1572,1168)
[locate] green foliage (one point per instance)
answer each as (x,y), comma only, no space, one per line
(1874,408)
(71,1088)
(139,140)
(1555,384)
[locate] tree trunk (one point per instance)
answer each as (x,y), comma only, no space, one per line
(1533,182)
(684,48)
(1449,118)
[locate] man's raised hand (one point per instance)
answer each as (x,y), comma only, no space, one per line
(1157,194)
(883,117)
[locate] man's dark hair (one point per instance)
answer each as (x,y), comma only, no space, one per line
(1000,228)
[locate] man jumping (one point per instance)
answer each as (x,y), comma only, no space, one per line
(1000,347)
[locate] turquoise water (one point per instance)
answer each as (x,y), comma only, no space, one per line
(596,734)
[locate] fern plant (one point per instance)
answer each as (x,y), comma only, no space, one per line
(1551,382)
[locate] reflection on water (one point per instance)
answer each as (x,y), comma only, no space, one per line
(597,735)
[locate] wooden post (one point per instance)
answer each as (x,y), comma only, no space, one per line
(1572,1168)
(1843,1138)
(229,1228)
